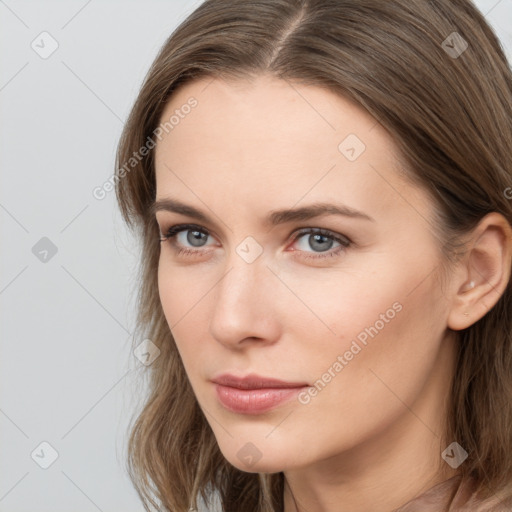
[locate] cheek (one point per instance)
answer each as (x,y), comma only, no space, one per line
(337,307)
(167,285)
(181,289)
(386,348)
(180,296)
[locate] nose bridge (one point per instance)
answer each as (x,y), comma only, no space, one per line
(244,298)
(247,271)
(244,284)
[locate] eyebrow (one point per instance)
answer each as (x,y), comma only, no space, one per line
(274,218)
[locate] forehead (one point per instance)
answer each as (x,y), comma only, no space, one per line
(262,116)
(265,139)
(266,110)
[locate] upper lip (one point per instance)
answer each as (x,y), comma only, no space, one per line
(254,381)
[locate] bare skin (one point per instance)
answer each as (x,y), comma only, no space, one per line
(373,434)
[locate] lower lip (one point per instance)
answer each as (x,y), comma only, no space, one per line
(254,401)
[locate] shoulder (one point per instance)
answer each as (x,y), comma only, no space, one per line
(213,505)
(458,495)
(467,500)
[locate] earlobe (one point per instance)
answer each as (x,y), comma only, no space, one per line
(485,273)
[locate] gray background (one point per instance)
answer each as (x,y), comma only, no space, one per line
(67,374)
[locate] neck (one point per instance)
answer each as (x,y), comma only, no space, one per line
(388,468)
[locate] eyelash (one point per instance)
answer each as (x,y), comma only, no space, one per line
(178,228)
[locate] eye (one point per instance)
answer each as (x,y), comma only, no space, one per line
(189,234)
(321,241)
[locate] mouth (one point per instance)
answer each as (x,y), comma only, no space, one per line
(254,381)
(254,394)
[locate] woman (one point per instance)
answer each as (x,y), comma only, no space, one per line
(374,373)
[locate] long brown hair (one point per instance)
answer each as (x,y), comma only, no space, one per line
(449,109)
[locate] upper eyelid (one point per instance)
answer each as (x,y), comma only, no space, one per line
(296,233)
(186,227)
(166,226)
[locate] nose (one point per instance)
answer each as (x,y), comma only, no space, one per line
(245,305)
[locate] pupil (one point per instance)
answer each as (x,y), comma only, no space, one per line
(317,239)
(197,235)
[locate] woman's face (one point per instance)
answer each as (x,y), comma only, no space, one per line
(355,314)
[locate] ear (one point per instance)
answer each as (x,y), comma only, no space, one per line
(484,271)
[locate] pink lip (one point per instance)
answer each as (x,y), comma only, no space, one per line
(254,381)
(254,394)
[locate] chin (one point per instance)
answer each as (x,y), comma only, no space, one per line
(255,458)
(259,467)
